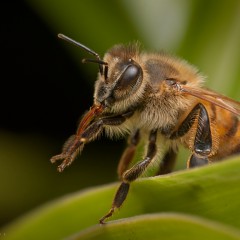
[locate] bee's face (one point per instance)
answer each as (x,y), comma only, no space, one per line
(123,80)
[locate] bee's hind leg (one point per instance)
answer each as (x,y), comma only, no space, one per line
(195,161)
(202,145)
(203,140)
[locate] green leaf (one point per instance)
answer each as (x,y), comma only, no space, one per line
(160,226)
(211,192)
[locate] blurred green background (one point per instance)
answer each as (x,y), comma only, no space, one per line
(45,88)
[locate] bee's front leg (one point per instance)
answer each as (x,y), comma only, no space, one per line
(132,174)
(76,143)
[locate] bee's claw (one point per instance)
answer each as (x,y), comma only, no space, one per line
(61,167)
(109,214)
(57,158)
(66,161)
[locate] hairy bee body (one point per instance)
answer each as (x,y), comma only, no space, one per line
(161,98)
(158,104)
(164,108)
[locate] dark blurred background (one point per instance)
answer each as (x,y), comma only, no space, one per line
(44,92)
(45,88)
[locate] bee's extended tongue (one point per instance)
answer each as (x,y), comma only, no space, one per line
(94,111)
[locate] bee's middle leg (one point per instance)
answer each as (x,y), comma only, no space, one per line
(167,163)
(128,154)
(131,175)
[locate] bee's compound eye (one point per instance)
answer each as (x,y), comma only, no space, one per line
(129,76)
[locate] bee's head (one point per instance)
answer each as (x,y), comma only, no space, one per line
(120,87)
(120,75)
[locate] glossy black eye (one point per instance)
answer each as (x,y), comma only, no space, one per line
(129,76)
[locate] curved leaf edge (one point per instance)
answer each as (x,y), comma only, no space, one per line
(118,229)
(68,205)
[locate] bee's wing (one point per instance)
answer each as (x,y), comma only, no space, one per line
(213,97)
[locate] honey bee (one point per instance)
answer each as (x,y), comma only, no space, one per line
(158,97)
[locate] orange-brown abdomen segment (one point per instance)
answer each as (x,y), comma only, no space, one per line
(225,128)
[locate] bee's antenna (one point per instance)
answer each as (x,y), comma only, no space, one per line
(98,60)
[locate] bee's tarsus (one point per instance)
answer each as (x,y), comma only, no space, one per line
(108,215)
(57,158)
(60,168)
